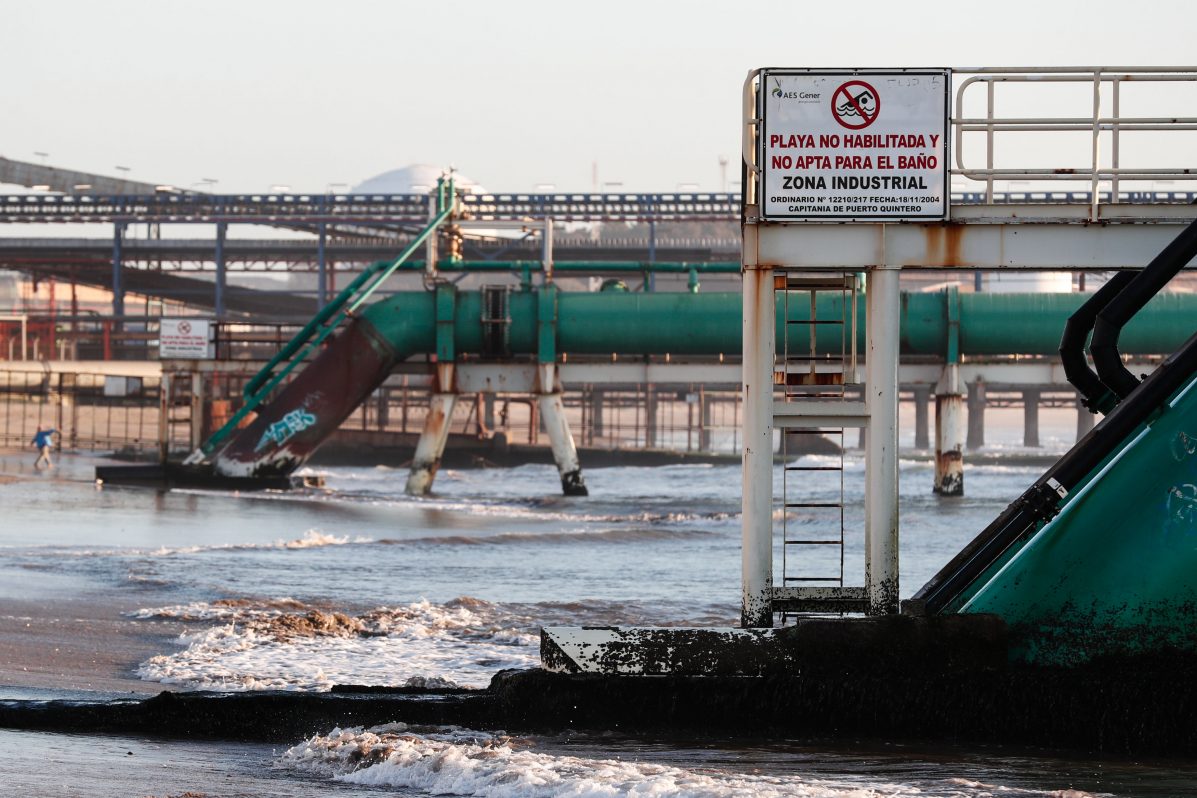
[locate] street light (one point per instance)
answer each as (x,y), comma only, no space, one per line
(43,156)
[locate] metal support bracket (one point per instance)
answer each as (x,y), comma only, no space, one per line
(446,304)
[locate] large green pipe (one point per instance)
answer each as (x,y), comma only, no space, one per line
(710,323)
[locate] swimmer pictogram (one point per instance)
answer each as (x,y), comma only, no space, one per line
(855,104)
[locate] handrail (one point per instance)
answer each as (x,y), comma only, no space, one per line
(323,324)
(1095,394)
(1096,124)
(1114,316)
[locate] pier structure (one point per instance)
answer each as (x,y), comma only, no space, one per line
(812,224)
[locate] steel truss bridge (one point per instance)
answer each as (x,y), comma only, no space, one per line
(389,213)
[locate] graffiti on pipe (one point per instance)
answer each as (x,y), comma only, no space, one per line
(285,428)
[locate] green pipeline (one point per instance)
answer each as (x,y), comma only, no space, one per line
(601,323)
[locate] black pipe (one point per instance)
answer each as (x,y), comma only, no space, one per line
(1095,394)
(1111,319)
(1041,502)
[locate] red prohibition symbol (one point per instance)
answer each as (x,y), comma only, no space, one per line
(855,104)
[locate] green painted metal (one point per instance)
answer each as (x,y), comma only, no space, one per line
(546,324)
(446,305)
(681,323)
(1116,570)
(323,324)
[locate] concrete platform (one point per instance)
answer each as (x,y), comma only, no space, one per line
(890,644)
(176,475)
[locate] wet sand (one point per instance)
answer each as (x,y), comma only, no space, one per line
(77,645)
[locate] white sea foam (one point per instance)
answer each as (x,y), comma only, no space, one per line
(462,643)
(477,764)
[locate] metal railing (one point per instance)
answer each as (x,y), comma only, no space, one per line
(1105,165)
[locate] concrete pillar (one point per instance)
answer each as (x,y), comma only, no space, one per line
(488,411)
(922,401)
(949,433)
(198,402)
(565,453)
(431,444)
(597,399)
(164,417)
(1085,420)
(756,550)
(976,414)
(1030,417)
(384,408)
(704,431)
(650,417)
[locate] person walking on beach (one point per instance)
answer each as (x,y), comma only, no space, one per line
(41,442)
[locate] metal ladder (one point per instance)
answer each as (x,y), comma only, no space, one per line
(818,384)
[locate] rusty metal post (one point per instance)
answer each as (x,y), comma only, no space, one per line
(881,450)
(949,433)
(756,608)
(436,433)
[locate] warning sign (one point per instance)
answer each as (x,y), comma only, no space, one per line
(854,146)
(855,104)
(185,338)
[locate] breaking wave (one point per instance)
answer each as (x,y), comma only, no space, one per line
(466,763)
(285,645)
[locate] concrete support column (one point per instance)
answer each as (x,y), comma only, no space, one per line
(949,433)
(431,445)
(596,413)
(1085,420)
(198,402)
(650,417)
(1030,417)
(704,431)
(488,411)
(922,401)
(883,301)
(164,418)
(565,454)
(976,414)
(756,551)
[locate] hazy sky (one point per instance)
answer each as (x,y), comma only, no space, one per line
(515,94)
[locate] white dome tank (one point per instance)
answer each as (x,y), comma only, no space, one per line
(415,179)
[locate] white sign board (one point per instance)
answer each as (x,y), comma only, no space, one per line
(185,338)
(854,146)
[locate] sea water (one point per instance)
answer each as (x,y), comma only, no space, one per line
(358,583)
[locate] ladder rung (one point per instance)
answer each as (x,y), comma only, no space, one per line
(814,468)
(800,431)
(827,358)
(813,504)
(814,321)
(814,578)
(813,542)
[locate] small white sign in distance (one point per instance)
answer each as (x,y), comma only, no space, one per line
(185,339)
(854,146)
